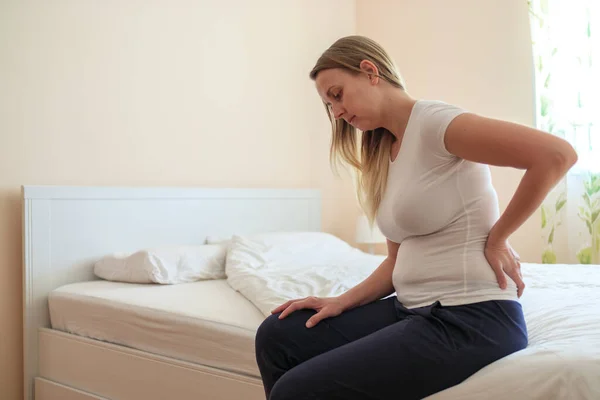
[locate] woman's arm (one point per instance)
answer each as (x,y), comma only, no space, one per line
(545,158)
(376,286)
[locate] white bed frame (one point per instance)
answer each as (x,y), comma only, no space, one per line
(66,229)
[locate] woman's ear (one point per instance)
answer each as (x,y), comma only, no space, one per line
(371,71)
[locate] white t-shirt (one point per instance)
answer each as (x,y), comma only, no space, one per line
(440,208)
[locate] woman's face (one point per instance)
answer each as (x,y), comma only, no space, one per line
(352,97)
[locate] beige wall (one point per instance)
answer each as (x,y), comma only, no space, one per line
(158,93)
(476,54)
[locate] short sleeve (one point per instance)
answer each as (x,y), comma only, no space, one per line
(435,118)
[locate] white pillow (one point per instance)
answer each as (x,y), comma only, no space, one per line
(165,265)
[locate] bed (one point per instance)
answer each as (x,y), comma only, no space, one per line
(86,338)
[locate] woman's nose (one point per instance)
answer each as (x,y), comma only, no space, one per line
(337,112)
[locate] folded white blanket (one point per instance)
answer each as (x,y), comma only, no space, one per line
(271,269)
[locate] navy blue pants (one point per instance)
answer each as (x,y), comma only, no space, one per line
(383,350)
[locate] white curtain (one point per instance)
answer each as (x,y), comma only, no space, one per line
(566,50)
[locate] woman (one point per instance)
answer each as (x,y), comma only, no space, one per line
(423,175)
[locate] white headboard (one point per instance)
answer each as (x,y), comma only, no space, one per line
(66,229)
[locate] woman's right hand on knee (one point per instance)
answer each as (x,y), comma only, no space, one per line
(325,306)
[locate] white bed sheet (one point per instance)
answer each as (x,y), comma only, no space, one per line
(203,322)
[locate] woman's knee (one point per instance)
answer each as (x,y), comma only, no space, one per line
(266,331)
(274,331)
(270,329)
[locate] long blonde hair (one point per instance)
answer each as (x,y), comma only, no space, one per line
(371,165)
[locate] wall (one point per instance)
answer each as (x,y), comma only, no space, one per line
(475,54)
(212,93)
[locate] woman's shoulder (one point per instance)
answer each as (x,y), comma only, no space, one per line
(433,118)
(435,114)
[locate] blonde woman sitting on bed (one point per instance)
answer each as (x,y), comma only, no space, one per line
(423,176)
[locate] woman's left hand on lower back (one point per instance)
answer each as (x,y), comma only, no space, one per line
(504,261)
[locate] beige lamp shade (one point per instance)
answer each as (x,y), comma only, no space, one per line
(364,233)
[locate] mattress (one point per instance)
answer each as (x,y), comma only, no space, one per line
(204,322)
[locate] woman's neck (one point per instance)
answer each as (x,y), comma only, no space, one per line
(396,110)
